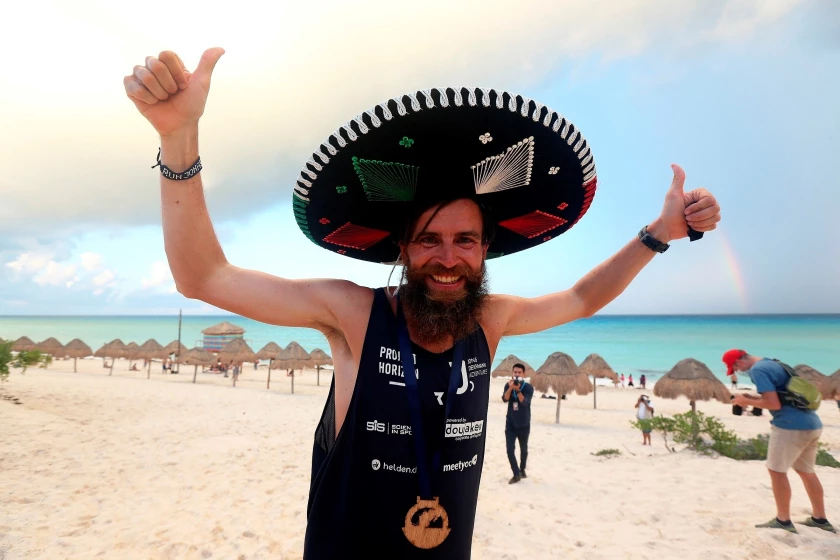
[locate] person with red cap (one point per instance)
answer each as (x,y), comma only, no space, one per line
(794,438)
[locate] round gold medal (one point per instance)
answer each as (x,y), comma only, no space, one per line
(418,521)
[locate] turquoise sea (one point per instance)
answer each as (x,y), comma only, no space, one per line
(631,344)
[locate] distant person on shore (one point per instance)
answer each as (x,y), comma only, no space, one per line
(734,378)
(642,382)
(630,381)
(794,437)
(644,411)
(518,394)
(622,381)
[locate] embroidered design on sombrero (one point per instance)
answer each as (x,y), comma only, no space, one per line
(589,193)
(299,208)
(562,206)
(533,224)
(553,170)
(341,189)
(356,237)
(507,170)
(384,180)
(406,142)
(484,138)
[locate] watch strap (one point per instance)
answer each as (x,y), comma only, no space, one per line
(651,242)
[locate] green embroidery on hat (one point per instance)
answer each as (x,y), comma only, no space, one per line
(341,189)
(406,141)
(494,255)
(386,181)
(299,209)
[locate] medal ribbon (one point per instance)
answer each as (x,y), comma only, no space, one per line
(410,376)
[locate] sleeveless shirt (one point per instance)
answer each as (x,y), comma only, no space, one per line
(364,481)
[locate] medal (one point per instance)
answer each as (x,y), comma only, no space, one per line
(426,522)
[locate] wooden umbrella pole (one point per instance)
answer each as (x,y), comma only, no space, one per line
(594,392)
(557,414)
(318,373)
(112,366)
(74,364)
(149,371)
(195,372)
(293,382)
(268,382)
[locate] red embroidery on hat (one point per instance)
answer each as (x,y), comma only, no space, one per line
(589,193)
(356,237)
(562,206)
(341,251)
(324,221)
(533,224)
(547,238)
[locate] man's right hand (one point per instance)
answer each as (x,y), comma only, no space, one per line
(171,97)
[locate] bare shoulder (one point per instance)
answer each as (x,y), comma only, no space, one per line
(495,316)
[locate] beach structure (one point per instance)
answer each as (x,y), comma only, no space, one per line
(132,352)
(52,347)
(293,357)
(694,380)
(23,344)
(817,378)
(114,349)
(505,369)
(598,368)
(218,336)
(197,357)
(269,352)
(152,350)
(235,352)
(320,359)
(77,349)
(561,373)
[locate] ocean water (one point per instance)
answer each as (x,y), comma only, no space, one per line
(647,344)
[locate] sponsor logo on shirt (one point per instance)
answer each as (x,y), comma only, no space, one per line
(464,430)
(476,368)
(461,465)
(387,428)
(393,467)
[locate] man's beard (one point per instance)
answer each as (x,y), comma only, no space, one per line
(436,315)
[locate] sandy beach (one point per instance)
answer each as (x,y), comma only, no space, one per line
(98,466)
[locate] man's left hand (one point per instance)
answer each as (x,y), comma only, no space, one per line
(697,209)
(741,400)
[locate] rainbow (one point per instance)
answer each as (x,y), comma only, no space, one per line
(735,270)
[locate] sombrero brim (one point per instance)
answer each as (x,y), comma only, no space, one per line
(526,164)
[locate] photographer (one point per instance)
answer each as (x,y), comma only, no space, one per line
(518,395)
(645,412)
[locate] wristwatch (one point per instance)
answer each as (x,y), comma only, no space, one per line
(651,242)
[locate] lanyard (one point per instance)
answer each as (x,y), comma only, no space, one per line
(409,373)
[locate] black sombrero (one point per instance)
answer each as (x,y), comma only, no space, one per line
(526,164)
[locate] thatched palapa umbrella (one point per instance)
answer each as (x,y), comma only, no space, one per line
(77,349)
(559,372)
(269,352)
(23,344)
(293,357)
(132,352)
(817,378)
(319,359)
(833,385)
(197,357)
(237,351)
(114,349)
(692,379)
(152,350)
(52,347)
(505,369)
(597,367)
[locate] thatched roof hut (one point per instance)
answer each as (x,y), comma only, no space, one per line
(23,344)
(77,349)
(293,356)
(598,368)
(176,348)
(237,351)
(320,358)
(561,373)
(218,336)
(270,351)
(197,357)
(817,378)
(505,369)
(152,350)
(52,347)
(833,385)
(132,351)
(692,379)
(114,349)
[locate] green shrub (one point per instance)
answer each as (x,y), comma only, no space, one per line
(5,360)
(607,453)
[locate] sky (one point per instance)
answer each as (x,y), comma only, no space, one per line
(741,94)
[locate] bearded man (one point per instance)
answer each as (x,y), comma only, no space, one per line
(439,181)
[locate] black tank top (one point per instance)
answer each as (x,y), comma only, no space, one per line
(364,482)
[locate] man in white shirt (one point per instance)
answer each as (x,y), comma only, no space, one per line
(645,412)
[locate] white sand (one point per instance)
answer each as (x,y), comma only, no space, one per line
(93,466)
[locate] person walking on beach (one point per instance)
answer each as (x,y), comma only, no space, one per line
(642,382)
(518,394)
(623,385)
(644,411)
(630,381)
(794,438)
(438,181)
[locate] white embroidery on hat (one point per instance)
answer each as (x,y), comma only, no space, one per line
(484,138)
(526,106)
(322,156)
(485,97)
(471,98)
(508,170)
(415,105)
(400,107)
(311,161)
(458,99)
(430,103)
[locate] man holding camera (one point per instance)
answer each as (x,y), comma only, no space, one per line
(518,395)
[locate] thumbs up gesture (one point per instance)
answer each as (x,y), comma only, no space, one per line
(167,94)
(697,209)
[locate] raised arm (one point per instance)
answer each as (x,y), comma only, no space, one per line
(173,100)
(516,315)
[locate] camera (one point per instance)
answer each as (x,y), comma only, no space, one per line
(518,380)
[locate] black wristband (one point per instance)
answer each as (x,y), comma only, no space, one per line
(184,175)
(651,242)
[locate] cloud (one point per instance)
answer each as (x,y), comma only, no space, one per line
(160,279)
(91,261)
(289,78)
(28,263)
(57,274)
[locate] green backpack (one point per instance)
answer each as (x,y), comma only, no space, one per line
(799,392)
